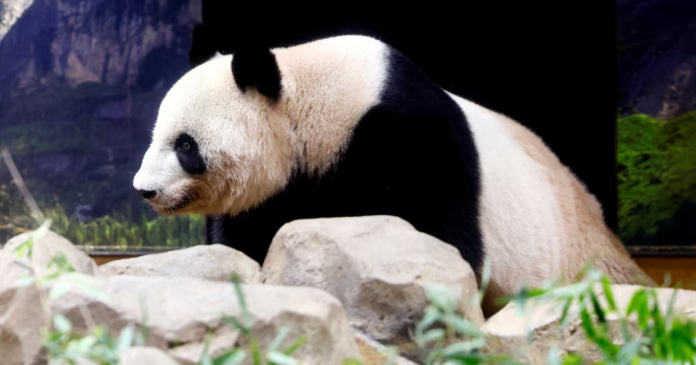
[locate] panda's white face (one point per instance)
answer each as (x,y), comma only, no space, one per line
(230,132)
(214,149)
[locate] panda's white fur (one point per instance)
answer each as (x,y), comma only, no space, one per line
(537,220)
(534,210)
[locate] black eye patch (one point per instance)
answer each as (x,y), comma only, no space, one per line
(189,155)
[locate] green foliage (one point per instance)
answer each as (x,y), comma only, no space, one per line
(656,173)
(449,338)
(66,346)
(118,231)
(658,336)
(642,162)
(122,232)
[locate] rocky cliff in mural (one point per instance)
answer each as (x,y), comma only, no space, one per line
(657,57)
(121,42)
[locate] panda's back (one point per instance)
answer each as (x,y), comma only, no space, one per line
(532,215)
(533,209)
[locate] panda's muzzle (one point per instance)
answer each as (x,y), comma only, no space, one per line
(182,203)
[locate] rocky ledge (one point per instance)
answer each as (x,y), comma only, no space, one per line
(351,287)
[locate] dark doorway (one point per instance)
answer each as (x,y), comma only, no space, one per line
(552,68)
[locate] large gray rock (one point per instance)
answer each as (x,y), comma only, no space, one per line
(509,333)
(44,251)
(379,267)
(20,310)
(211,262)
(179,312)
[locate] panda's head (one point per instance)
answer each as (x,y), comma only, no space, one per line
(221,141)
(232,131)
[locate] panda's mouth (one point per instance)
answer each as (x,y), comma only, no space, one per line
(182,203)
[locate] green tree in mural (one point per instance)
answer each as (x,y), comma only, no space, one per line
(656,174)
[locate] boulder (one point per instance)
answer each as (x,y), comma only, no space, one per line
(21,314)
(378,266)
(180,312)
(45,250)
(211,262)
(145,355)
(509,333)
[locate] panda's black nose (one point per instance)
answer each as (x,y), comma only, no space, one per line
(147,194)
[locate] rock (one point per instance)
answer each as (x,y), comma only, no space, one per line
(378,267)
(179,312)
(374,353)
(20,311)
(507,334)
(44,251)
(211,262)
(507,331)
(145,355)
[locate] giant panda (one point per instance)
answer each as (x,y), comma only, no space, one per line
(349,126)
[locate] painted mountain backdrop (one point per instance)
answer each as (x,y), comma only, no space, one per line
(80,83)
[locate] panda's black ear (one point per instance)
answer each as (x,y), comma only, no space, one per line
(256,66)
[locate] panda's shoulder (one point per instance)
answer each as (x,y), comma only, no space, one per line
(350,40)
(354,47)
